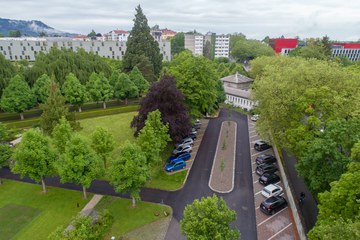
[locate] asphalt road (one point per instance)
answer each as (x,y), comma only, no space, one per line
(241,199)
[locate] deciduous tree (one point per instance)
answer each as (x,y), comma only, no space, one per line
(123,87)
(197,79)
(177,43)
(62,134)
(169,100)
(17,96)
(141,44)
(34,156)
(140,82)
(7,72)
(129,172)
(207,219)
(41,88)
(103,143)
(74,92)
(153,137)
(99,88)
(79,164)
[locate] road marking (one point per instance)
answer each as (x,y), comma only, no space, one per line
(272,216)
(253,172)
(253,136)
(258,193)
(280,231)
(252,131)
(256,181)
(257,208)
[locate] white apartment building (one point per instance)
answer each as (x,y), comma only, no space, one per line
(15,49)
(117,35)
(196,43)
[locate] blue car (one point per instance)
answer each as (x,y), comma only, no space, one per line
(175,165)
(183,156)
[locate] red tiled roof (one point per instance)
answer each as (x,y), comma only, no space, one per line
(168,31)
(120,31)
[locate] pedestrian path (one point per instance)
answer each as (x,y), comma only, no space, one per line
(91,204)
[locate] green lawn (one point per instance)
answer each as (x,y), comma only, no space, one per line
(118,125)
(127,218)
(34,215)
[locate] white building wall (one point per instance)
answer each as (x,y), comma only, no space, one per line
(222,45)
(237,101)
(18,49)
(351,54)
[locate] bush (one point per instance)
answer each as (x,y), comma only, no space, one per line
(85,227)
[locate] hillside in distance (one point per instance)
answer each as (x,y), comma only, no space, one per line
(31,28)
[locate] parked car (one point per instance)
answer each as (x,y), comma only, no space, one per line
(266,168)
(273,204)
(185,141)
(182,149)
(265,159)
(183,156)
(254,117)
(268,178)
(175,164)
(192,136)
(261,145)
(193,131)
(271,190)
(196,126)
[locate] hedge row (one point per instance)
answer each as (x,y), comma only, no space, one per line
(26,123)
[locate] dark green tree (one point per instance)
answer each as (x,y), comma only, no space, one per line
(123,87)
(92,34)
(140,82)
(41,88)
(177,43)
(7,71)
(5,150)
(14,33)
(207,219)
(140,43)
(53,109)
(99,88)
(146,69)
(74,92)
(17,96)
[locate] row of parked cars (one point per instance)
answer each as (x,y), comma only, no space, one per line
(182,150)
(266,168)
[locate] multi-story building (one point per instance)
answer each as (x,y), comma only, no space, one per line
(219,44)
(167,34)
(117,35)
(348,50)
(16,49)
(286,45)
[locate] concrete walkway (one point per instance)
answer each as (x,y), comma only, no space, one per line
(91,204)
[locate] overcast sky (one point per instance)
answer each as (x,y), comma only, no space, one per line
(340,20)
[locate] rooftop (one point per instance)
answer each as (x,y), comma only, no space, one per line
(237,92)
(237,78)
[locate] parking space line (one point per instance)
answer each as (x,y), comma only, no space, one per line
(252,131)
(257,193)
(257,208)
(258,153)
(272,216)
(253,172)
(280,231)
(256,181)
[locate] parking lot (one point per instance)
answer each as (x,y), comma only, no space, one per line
(279,226)
(195,147)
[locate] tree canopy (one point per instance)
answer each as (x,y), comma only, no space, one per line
(141,44)
(7,71)
(208,219)
(103,143)
(153,137)
(61,134)
(247,49)
(17,96)
(177,43)
(123,87)
(41,88)
(79,164)
(99,88)
(169,100)
(129,172)
(140,82)
(74,92)
(197,79)
(34,156)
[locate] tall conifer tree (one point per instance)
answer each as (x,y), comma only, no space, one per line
(141,44)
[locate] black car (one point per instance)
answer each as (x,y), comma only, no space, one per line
(268,178)
(192,136)
(273,204)
(266,168)
(261,145)
(265,159)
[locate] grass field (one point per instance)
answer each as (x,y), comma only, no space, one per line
(127,218)
(118,125)
(27,213)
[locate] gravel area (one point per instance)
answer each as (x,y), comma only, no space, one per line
(222,173)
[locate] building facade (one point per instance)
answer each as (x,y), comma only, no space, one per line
(16,49)
(219,44)
(348,50)
(238,90)
(117,35)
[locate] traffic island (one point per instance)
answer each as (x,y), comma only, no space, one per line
(223,169)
